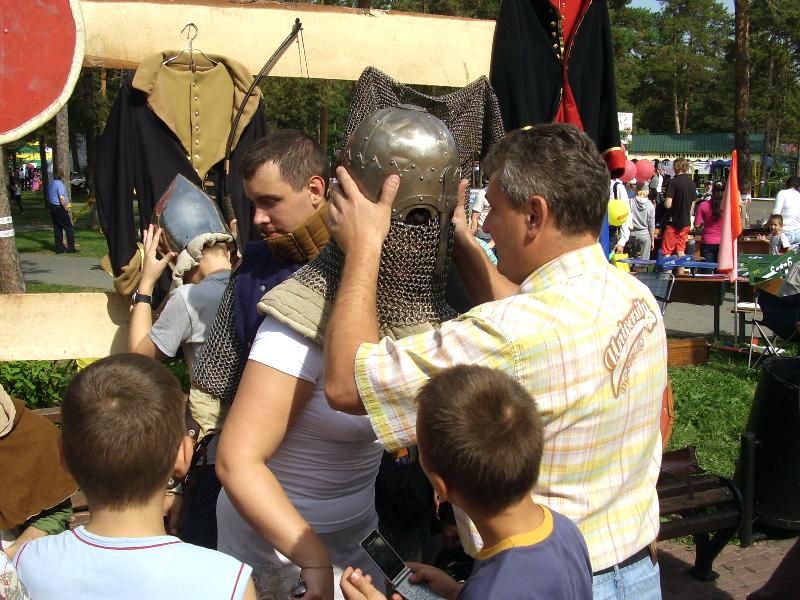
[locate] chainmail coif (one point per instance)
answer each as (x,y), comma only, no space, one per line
(471,113)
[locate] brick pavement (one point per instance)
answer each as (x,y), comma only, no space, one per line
(741,570)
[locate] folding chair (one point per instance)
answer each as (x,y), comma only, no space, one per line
(660,285)
(779,314)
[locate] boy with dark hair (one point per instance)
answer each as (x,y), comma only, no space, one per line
(122,438)
(480,440)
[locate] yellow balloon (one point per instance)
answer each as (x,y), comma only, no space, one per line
(617,212)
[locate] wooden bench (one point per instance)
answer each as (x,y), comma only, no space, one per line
(706,506)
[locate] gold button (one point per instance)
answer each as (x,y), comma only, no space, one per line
(197,157)
(553,23)
(555,46)
(196,170)
(188,157)
(197,127)
(194,84)
(553,34)
(197,142)
(196,114)
(195,98)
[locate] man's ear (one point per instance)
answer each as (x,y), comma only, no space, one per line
(316,187)
(536,213)
(183,459)
(440,487)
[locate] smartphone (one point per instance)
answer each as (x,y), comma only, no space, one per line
(396,571)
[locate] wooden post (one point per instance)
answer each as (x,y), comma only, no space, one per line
(11,281)
(740,114)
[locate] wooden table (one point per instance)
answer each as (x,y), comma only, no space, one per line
(707,291)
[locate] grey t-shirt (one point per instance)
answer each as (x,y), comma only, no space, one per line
(188,315)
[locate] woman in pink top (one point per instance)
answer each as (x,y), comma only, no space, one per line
(709,216)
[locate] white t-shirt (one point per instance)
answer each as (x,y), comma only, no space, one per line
(787,204)
(80,564)
(328,460)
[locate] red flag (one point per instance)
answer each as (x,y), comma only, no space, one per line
(731,224)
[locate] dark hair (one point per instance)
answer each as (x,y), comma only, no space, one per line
(299,158)
(560,163)
(479,430)
(793,182)
(122,421)
(717,196)
(776,217)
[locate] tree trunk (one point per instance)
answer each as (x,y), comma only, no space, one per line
(740,120)
(102,81)
(675,89)
(685,111)
(767,127)
(61,149)
(11,281)
(43,171)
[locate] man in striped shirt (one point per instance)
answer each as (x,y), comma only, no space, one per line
(585,339)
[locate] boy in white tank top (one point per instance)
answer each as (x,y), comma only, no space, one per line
(122,438)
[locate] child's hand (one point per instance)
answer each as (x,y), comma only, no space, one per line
(439,581)
(357,586)
(152,266)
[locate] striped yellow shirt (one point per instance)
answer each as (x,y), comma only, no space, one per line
(587,341)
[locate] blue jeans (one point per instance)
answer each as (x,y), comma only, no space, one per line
(639,581)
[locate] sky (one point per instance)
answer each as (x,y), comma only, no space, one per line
(655,6)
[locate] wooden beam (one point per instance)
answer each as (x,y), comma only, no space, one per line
(60,326)
(339,42)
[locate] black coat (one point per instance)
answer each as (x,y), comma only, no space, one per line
(138,156)
(527,75)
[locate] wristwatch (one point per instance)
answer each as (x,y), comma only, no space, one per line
(137,297)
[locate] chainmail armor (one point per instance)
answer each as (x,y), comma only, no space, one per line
(471,113)
(219,365)
(409,290)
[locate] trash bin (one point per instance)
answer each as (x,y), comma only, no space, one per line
(775,421)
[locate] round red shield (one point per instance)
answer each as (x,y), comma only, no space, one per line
(42,46)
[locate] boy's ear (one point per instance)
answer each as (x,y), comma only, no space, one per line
(440,488)
(184,456)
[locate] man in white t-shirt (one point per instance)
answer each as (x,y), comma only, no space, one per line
(787,205)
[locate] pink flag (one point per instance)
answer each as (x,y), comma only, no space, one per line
(731,224)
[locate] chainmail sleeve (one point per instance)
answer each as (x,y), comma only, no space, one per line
(220,362)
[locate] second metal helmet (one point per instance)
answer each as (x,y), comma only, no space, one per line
(410,142)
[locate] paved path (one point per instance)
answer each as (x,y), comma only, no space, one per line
(741,570)
(64,269)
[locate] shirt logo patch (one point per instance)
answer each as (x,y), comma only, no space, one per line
(627,343)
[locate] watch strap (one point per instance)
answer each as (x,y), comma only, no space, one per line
(137,297)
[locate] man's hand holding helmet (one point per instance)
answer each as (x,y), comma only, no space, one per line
(356,223)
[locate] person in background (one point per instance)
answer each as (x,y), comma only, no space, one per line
(58,205)
(787,205)
(480,440)
(680,195)
(35,490)
(641,221)
(778,240)
(16,193)
(709,217)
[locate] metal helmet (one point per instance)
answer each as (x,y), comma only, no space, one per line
(184,212)
(410,142)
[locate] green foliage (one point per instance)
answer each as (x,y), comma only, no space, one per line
(40,383)
(712,403)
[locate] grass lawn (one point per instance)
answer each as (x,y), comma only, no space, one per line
(712,403)
(34,228)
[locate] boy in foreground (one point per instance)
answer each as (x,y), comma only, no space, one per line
(480,443)
(122,438)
